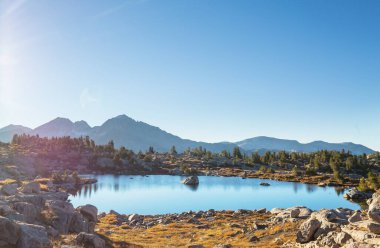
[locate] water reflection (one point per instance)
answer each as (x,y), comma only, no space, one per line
(192,187)
(160,194)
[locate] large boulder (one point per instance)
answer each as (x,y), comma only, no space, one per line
(28,210)
(9,232)
(32,187)
(80,224)
(59,215)
(374,208)
(193,180)
(89,211)
(9,189)
(307,230)
(5,209)
(33,236)
(90,240)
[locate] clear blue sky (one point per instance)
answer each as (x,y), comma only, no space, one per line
(205,70)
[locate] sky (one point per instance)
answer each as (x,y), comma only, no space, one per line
(207,70)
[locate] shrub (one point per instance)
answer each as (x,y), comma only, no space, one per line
(310,171)
(363,185)
(263,169)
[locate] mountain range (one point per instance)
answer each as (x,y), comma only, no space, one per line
(136,135)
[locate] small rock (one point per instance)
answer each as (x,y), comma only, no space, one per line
(9,189)
(261,211)
(264,184)
(373,227)
(222,246)
(32,187)
(342,238)
(90,240)
(355,217)
(134,217)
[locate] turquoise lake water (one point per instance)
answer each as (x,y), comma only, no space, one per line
(158,194)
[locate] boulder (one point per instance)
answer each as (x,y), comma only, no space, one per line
(28,210)
(355,217)
(33,236)
(32,187)
(134,217)
(373,227)
(193,180)
(261,211)
(90,240)
(80,224)
(89,211)
(307,230)
(9,189)
(5,209)
(60,215)
(355,194)
(374,209)
(9,231)
(342,238)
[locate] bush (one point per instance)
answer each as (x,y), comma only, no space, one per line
(295,171)
(363,185)
(310,171)
(263,169)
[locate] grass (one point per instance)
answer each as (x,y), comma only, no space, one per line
(183,234)
(8,181)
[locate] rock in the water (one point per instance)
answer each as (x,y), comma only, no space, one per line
(33,236)
(32,187)
(193,180)
(9,231)
(89,211)
(264,184)
(90,240)
(9,189)
(307,230)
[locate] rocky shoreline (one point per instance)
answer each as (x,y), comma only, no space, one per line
(291,227)
(30,217)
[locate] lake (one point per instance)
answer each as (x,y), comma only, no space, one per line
(158,194)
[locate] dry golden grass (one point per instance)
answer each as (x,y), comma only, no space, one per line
(183,234)
(8,181)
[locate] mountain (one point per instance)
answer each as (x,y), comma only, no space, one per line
(137,135)
(6,133)
(62,127)
(262,144)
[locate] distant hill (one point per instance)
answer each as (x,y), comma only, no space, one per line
(6,133)
(263,143)
(136,135)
